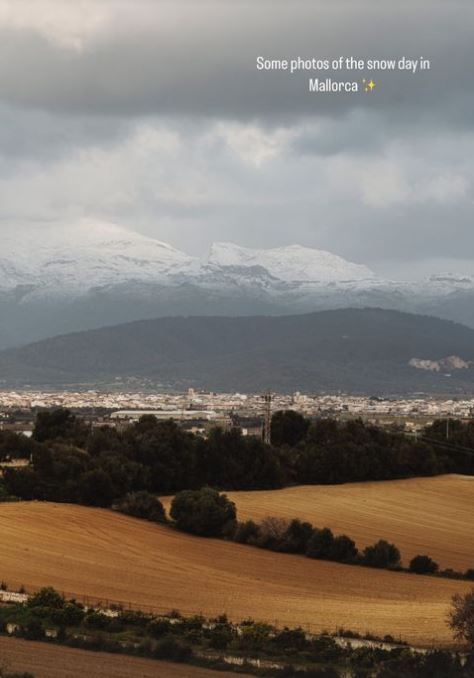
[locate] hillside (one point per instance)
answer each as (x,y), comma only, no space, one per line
(358,350)
(67,277)
(46,660)
(90,551)
(420,515)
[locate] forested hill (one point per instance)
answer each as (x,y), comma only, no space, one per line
(358,350)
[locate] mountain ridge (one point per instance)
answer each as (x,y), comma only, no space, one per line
(353,350)
(77,277)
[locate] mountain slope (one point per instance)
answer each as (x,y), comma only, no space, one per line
(293,263)
(57,279)
(54,261)
(359,350)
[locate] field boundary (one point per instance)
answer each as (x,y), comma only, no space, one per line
(111,605)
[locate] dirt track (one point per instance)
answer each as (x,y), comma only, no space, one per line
(97,552)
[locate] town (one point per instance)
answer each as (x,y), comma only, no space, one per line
(199,411)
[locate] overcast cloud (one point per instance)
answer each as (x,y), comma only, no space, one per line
(153,115)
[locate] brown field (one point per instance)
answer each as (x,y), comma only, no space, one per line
(90,551)
(54,661)
(420,515)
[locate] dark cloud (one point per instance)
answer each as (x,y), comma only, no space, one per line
(203,62)
(153,114)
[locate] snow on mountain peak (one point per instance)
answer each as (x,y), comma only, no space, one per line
(84,255)
(292,263)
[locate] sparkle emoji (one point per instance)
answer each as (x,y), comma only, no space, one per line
(369,86)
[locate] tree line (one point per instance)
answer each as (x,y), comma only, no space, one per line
(209,513)
(206,642)
(71,462)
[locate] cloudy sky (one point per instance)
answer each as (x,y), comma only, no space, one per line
(153,115)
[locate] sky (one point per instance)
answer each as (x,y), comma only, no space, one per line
(153,115)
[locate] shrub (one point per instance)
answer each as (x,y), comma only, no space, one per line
(247,533)
(47,597)
(343,549)
(157,628)
(461,617)
(288,428)
(34,630)
(321,543)
(96,620)
(291,640)
(297,537)
(423,565)
(134,618)
(142,505)
(469,574)
(173,649)
(254,636)
(221,636)
(70,615)
(203,512)
(381,554)
(272,533)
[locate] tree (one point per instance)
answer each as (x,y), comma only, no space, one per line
(288,428)
(423,565)
(247,532)
(343,549)
(272,531)
(297,537)
(47,597)
(204,512)
(59,423)
(96,489)
(142,504)
(461,617)
(382,554)
(321,543)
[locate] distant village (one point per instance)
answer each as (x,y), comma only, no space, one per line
(199,411)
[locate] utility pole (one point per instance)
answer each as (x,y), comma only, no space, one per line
(267,417)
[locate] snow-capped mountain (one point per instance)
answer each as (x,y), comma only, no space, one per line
(293,263)
(89,274)
(73,260)
(91,255)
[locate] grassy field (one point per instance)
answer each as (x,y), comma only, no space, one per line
(53,661)
(420,515)
(90,551)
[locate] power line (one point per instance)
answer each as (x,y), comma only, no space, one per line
(445,444)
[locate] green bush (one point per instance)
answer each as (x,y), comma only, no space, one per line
(70,615)
(343,549)
(171,648)
(157,628)
(33,630)
(381,554)
(203,512)
(297,537)
(423,565)
(142,504)
(96,620)
(47,597)
(321,544)
(247,533)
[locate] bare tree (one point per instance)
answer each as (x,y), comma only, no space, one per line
(461,617)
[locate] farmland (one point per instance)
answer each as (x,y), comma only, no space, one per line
(86,551)
(54,661)
(420,515)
